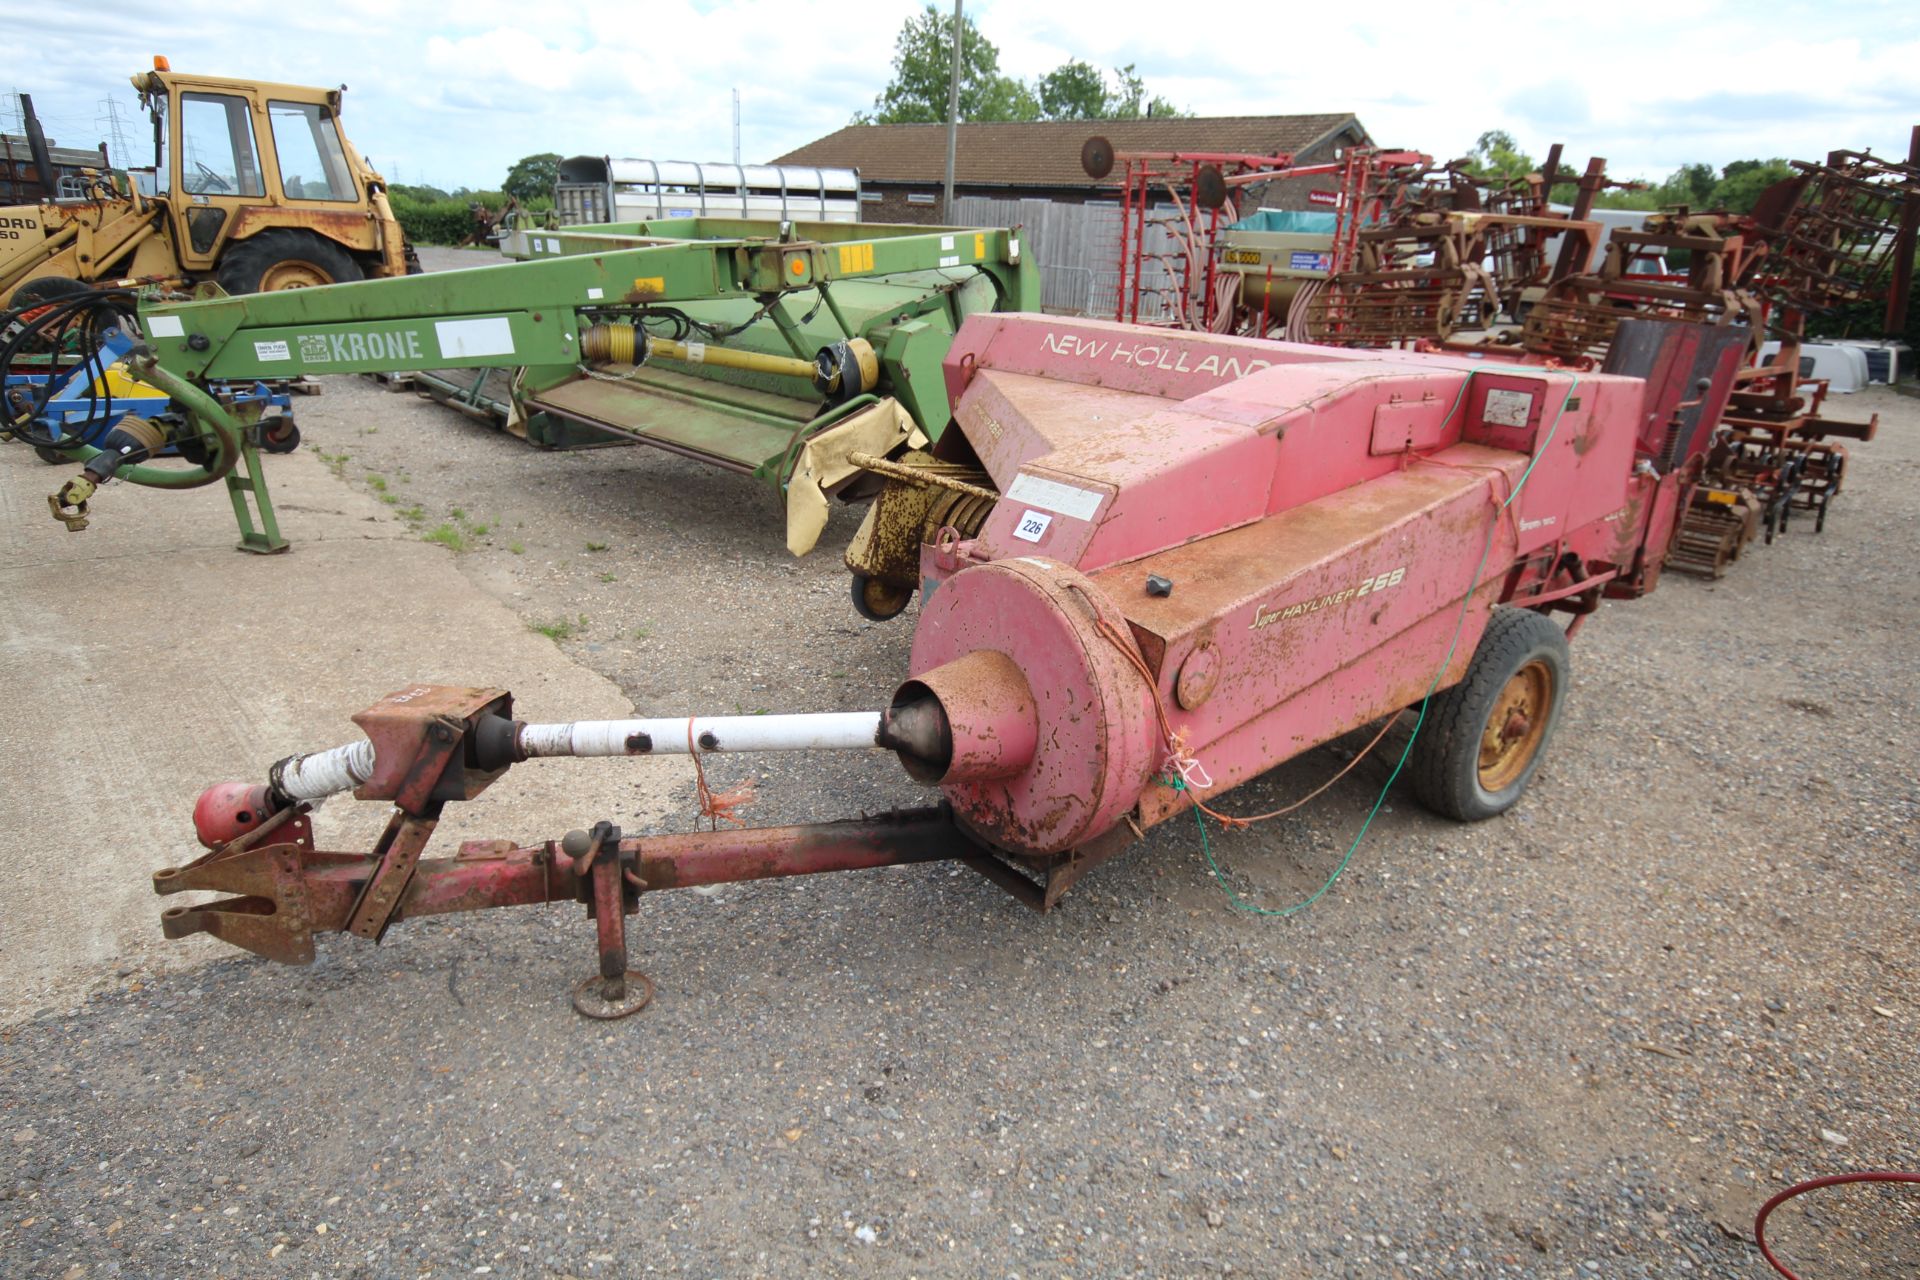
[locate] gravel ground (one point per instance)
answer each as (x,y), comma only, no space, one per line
(1585,1039)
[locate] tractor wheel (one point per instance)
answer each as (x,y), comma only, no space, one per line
(1484,738)
(876,601)
(285,258)
(42,290)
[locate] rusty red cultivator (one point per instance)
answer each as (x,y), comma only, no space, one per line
(1188,558)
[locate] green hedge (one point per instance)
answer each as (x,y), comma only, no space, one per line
(448,220)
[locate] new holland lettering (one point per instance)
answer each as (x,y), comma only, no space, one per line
(1171,357)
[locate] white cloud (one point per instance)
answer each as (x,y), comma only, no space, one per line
(453,93)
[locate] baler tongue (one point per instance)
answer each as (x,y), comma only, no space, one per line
(428,744)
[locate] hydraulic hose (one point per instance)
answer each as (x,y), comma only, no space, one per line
(204,410)
(50,323)
(207,412)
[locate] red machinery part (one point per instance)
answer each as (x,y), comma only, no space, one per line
(1099,728)
(1814,1184)
(1209,555)
(228,810)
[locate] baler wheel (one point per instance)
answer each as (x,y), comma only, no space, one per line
(1485,737)
(877,601)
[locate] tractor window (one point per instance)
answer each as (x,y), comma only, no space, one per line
(217,155)
(313,165)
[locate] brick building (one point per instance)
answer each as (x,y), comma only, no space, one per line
(902,166)
(21,183)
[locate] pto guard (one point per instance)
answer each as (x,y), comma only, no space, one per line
(825,463)
(1092,711)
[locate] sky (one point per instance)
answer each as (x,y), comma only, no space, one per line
(452,93)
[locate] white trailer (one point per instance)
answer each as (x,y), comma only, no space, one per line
(606,189)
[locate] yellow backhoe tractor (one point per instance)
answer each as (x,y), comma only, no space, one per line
(253,186)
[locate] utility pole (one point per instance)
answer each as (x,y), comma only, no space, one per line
(736,128)
(953,114)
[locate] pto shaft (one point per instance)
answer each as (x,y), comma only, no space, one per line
(499,742)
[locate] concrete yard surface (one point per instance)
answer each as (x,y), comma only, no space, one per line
(146,657)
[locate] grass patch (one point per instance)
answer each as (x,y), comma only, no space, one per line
(596,546)
(518,548)
(377,483)
(609,577)
(561,629)
(447,536)
(336,462)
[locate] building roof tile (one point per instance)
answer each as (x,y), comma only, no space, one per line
(1046,153)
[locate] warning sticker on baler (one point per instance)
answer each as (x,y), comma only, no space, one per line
(1507,408)
(1051,495)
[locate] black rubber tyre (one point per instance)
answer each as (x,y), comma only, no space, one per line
(42,290)
(285,258)
(876,601)
(53,457)
(278,435)
(1465,766)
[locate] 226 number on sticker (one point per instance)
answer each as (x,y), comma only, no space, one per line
(1032,526)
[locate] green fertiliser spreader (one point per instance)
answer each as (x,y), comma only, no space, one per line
(782,350)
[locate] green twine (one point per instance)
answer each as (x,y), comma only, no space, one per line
(1459,626)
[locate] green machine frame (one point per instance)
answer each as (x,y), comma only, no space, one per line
(787,291)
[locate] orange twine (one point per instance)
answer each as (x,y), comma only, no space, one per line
(717,806)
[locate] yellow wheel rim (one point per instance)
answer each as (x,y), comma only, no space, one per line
(293,274)
(1518,725)
(885,600)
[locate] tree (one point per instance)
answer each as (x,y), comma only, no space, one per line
(1072,91)
(1496,155)
(1126,103)
(532,176)
(923,66)
(1075,91)
(1742,181)
(1697,180)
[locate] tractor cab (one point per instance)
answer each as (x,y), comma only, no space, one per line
(240,159)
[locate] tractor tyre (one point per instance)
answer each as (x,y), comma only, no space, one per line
(42,290)
(285,258)
(1484,738)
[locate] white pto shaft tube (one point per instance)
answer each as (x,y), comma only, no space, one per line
(324,773)
(823,731)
